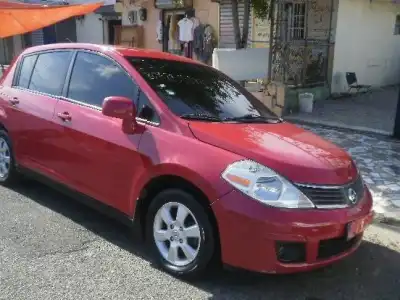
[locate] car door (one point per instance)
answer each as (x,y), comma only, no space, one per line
(100,159)
(38,82)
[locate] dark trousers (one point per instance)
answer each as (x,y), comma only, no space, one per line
(189,49)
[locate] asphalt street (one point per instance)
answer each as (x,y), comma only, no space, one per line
(52,247)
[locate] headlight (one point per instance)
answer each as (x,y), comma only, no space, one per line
(265,185)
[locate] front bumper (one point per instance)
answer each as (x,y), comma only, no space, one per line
(255,237)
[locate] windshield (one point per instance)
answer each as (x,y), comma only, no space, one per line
(191,90)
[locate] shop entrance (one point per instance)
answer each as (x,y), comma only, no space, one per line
(111,30)
(171,41)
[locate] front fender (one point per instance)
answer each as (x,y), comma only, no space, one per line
(199,163)
(212,190)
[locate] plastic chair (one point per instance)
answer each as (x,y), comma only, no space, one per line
(352,82)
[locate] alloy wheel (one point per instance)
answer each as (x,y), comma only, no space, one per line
(5,159)
(176,234)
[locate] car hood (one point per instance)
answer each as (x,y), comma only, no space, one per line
(297,154)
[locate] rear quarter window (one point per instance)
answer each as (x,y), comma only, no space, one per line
(25,72)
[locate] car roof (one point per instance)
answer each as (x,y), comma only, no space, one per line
(124,51)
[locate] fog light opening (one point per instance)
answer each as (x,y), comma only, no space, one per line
(290,252)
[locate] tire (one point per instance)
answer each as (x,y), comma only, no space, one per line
(200,249)
(8,171)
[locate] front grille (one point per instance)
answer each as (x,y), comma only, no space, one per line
(334,196)
(336,246)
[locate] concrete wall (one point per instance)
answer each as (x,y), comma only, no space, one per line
(206,12)
(90,30)
(365,44)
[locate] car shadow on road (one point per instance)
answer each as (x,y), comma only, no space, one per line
(373,272)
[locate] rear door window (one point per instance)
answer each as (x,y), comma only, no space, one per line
(95,77)
(50,72)
(26,71)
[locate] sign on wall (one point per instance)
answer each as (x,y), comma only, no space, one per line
(260,33)
(109,2)
(171,4)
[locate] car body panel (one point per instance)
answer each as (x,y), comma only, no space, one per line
(171,154)
(95,156)
(30,123)
(293,152)
(252,246)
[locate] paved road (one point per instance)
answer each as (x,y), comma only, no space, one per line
(51,247)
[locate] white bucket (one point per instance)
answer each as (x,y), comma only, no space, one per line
(306,102)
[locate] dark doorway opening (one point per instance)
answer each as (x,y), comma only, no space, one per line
(111,30)
(171,43)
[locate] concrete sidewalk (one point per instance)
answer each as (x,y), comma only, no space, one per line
(371,112)
(378,159)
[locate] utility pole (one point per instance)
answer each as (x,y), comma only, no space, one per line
(396,129)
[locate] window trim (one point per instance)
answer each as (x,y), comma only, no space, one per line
(37,53)
(140,91)
(95,107)
(17,79)
(17,73)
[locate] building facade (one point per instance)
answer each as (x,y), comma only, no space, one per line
(150,14)
(367,43)
(99,26)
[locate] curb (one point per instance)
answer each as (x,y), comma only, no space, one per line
(334,125)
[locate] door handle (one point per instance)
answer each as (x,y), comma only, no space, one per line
(14,101)
(64,116)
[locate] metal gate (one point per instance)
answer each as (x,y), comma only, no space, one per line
(302,42)
(226,32)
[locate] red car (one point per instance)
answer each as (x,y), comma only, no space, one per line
(205,170)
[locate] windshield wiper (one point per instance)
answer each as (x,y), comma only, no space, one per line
(202,117)
(254,118)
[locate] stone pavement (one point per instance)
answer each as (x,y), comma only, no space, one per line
(378,159)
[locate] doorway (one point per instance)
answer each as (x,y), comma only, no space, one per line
(111,30)
(171,41)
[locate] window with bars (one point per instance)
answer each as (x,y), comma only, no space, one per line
(397,25)
(296,20)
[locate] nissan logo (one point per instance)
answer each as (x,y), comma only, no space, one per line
(352,195)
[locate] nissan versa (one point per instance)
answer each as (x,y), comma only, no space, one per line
(206,171)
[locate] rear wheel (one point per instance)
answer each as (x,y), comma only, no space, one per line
(180,233)
(8,172)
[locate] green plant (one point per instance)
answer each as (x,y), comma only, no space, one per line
(261,8)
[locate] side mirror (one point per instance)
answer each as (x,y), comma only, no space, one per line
(121,108)
(118,107)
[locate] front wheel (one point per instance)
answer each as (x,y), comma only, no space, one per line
(180,233)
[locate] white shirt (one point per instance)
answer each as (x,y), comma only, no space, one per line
(185,30)
(159,30)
